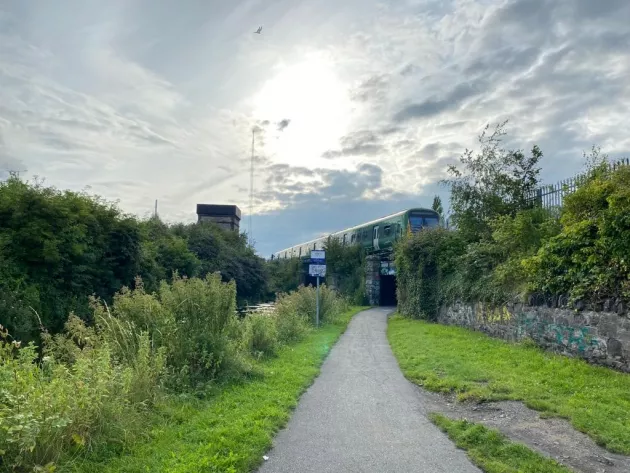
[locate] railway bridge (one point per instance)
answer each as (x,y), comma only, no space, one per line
(377,239)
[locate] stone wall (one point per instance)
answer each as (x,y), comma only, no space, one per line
(373,279)
(598,337)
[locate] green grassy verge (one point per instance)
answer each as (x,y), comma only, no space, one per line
(232,430)
(492,452)
(451,359)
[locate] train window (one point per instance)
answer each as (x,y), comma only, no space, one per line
(352,238)
(388,230)
(314,245)
(375,234)
(344,239)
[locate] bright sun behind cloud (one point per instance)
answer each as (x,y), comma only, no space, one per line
(311,96)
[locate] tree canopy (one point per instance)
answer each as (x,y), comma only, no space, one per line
(57,248)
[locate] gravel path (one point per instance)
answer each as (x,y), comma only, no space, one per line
(362,415)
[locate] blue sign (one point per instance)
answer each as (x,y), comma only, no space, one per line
(318,257)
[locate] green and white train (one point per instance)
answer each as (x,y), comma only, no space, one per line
(375,236)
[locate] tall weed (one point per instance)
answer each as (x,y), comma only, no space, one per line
(51,408)
(201,343)
(260,334)
(303,303)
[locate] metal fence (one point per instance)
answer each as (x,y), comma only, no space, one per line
(552,196)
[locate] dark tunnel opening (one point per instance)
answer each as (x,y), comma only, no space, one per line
(388,291)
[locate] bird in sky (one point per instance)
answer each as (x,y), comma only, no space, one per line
(259,30)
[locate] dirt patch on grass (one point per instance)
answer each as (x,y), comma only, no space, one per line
(552,437)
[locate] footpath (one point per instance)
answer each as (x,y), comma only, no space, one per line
(362,415)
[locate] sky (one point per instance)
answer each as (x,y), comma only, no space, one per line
(356,107)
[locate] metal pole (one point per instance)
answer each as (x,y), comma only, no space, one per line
(251,190)
(317,314)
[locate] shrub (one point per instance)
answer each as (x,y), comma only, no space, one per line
(95,382)
(204,313)
(260,334)
(346,267)
(134,312)
(423,260)
(290,324)
(52,408)
(295,313)
(589,258)
(304,303)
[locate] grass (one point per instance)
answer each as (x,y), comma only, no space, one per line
(492,452)
(231,431)
(441,358)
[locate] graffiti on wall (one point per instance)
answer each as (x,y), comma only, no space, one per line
(576,338)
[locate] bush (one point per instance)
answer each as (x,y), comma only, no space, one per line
(284,276)
(295,313)
(52,408)
(304,303)
(423,260)
(260,334)
(204,313)
(346,267)
(57,248)
(291,325)
(94,383)
(588,260)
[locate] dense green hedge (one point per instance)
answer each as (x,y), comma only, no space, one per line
(589,260)
(57,248)
(506,247)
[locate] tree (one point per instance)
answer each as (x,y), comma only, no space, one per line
(491,183)
(437,206)
(227,252)
(345,264)
(56,249)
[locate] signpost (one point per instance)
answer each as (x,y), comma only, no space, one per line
(317,267)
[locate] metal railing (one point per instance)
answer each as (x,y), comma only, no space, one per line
(552,196)
(266,309)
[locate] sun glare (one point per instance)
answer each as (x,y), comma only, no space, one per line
(315,100)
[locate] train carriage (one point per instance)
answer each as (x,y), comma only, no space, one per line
(375,236)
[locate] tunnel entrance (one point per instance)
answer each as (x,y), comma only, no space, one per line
(388,291)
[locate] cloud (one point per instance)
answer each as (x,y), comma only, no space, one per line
(8,163)
(360,143)
(94,93)
(373,89)
(436,105)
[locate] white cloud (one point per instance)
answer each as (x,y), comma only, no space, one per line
(143,100)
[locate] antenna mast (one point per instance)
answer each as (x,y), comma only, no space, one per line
(251,190)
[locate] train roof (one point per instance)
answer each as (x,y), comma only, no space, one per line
(355,227)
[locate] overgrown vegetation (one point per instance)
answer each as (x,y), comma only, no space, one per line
(346,265)
(95,384)
(230,430)
(58,248)
(588,259)
(506,246)
(477,367)
(345,271)
(492,452)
